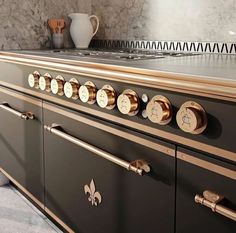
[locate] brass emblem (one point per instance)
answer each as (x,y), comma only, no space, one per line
(94,197)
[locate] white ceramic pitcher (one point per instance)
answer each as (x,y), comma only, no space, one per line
(81,29)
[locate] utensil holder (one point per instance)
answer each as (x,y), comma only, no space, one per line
(57,40)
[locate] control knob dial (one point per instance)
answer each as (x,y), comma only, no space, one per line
(87,93)
(159,110)
(45,82)
(33,79)
(192,118)
(128,102)
(71,89)
(106,97)
(57,85)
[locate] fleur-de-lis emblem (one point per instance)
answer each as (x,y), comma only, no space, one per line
(94,196)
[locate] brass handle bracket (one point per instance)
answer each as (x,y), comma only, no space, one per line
(24,116)
(212,201)
(141,166)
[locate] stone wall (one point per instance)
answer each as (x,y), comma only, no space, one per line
(23,24)
(174,20)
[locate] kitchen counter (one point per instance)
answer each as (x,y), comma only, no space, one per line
(211,75)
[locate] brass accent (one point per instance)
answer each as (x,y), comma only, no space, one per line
(128,102)
(87,93)
(33,79)
(71,89)
(192,118)
(207,165)
(141,164)
(222,153)
(45,82)
(131,137)
(35,200)
(41,205)
(22,97)
(57,85)
(49,212)
(212,201)
(106,97)
(24,115)
(94,196)
(211,87)
(159,110)
(55,129)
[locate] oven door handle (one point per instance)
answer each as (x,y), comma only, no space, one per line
(25,115)
(138,166)
(212,201)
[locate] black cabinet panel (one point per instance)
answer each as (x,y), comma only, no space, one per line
(21,152)
(192,179)
(129,202)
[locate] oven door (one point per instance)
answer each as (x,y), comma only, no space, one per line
(21,138)
(93,176)
(206,194)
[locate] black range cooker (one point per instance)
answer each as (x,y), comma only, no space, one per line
(103,142)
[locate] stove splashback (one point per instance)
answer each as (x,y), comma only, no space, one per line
(177,46)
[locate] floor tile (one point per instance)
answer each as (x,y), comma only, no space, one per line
(18,215)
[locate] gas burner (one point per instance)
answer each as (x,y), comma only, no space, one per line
(125,55)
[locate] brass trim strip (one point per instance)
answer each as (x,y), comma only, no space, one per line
(203,86)
(150,130)
(19,96)
(128,136)
(41,205)
(49,212)
(207,165)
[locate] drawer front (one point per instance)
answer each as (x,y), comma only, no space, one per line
(21,152)
(124,201)
(197,173)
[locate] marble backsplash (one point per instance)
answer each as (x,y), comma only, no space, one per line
(169,20)
(23,24)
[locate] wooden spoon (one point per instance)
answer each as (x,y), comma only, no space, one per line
(61,25)
(52,24)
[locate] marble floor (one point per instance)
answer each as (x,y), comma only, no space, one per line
(18,215)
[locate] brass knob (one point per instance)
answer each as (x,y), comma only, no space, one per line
(57,85)
(71,89)
(33,79)
(87,93)
(192,118)
(159,110)
(106,97)
(128,102)
(45,82)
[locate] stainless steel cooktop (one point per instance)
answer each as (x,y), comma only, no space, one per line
(127,55)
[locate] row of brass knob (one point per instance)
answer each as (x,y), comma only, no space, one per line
(190,118)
